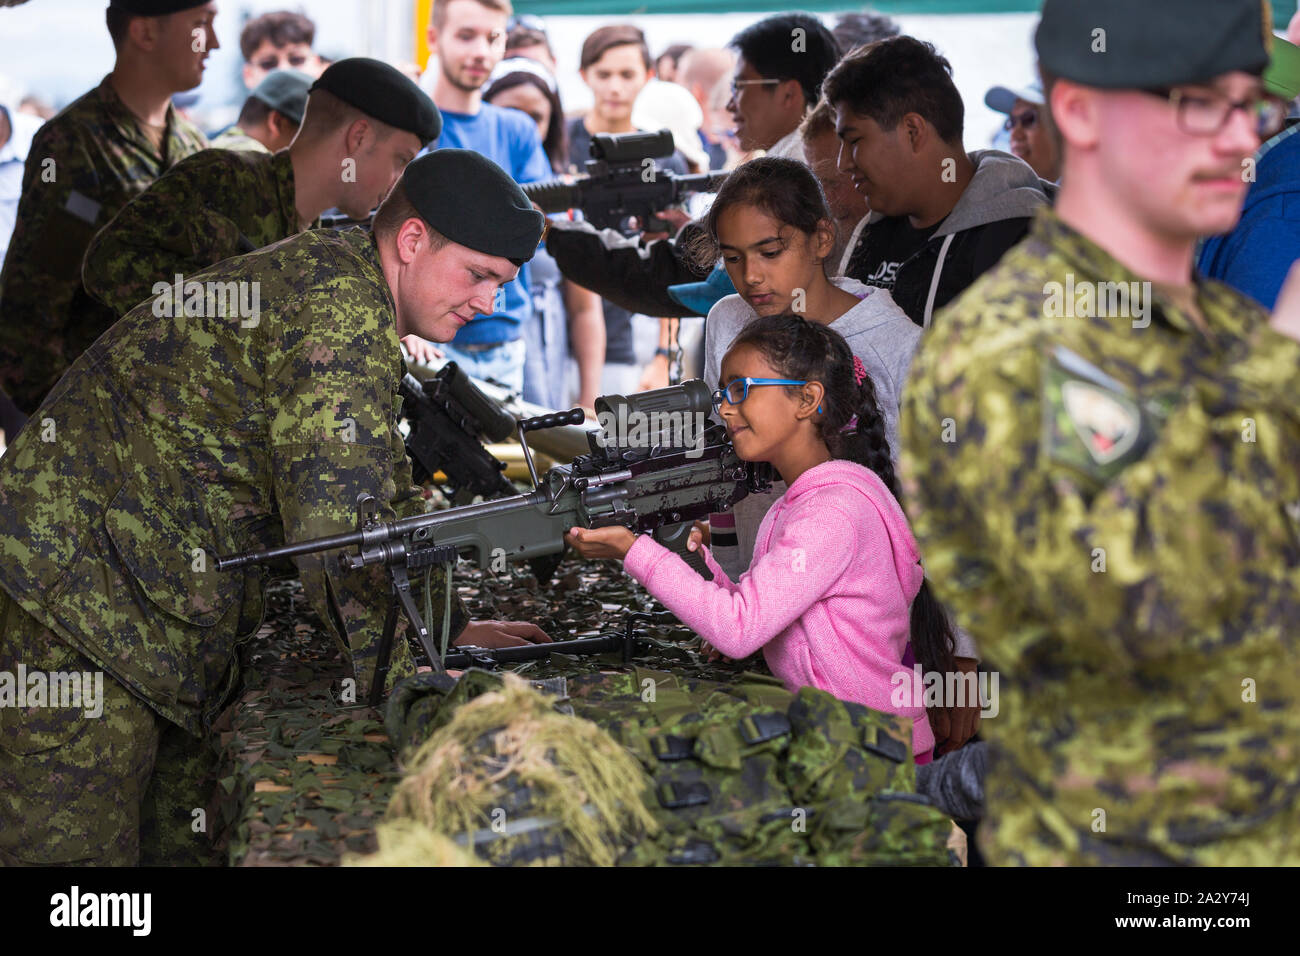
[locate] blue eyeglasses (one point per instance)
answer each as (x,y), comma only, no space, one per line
(737,390)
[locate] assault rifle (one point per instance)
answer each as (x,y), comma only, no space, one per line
(450,421)
(622,182)
(655,467)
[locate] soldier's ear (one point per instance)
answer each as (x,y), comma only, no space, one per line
(408,238)
(144,31)
(357,136)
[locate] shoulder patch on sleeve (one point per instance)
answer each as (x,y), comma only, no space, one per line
(1091,422)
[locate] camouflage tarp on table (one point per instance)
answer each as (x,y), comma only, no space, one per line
(306,774)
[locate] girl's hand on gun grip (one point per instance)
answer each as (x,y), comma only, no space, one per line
(610,543)
(699,536)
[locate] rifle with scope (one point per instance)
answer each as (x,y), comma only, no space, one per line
(622,182)
(656,466)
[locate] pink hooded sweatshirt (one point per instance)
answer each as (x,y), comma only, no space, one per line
(827,597)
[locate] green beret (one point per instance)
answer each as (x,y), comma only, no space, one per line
(1145,44)
(385,93)
(155,8)
(284,91)
(470,200)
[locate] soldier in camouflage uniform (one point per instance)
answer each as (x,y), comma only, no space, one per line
(271,115)
(198,430)
(1105,479)
(221,203)
(84,166)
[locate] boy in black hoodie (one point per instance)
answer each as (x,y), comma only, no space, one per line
(940,216)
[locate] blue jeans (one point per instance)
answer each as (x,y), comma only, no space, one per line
(503,363)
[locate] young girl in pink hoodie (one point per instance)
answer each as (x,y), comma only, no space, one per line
(835,590)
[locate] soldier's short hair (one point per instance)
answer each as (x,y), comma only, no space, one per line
(891,78)
(255,112)
(118,22)
(396,209)
(439,15)
(281,27)
(325,113)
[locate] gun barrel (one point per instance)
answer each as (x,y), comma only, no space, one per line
(533,652)
(554,195)
(328,543)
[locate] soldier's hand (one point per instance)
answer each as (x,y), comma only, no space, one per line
(502,634)
(419,349)
(612,543)
(1286,313)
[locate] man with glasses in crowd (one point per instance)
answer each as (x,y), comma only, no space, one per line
(782,62)
(1102,466)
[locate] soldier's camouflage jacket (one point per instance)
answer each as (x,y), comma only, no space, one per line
(83,166)
(236,139)
(174,438)
(208,207)
(1111,505)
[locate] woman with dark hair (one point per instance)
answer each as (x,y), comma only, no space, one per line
(569,317)
(526,85)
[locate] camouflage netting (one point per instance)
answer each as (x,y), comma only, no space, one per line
(508,762)
(737,774)
(730,767)
(306,775)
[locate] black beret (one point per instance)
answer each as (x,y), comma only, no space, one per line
(470,200)
(383,92)
(1144,44)
(155,8)
(285,91)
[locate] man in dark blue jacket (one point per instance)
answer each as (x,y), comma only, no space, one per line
(1255,257)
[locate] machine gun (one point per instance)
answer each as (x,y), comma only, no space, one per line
(450,421)
(655,467)
(622,182)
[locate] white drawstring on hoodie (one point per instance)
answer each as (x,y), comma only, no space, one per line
(934,280)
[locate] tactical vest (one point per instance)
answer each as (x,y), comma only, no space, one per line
(735,774)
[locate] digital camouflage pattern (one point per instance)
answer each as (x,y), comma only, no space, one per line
(113,789)
(208,207)
(236,139)
(175,439)
(83,167)
(732,774)
(1111,508)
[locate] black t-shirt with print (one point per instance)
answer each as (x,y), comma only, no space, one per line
(893,242)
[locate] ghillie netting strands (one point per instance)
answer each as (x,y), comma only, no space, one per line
(509,754)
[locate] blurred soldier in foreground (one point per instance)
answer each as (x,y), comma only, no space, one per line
(205,431)
(271,115)
(1103,454)
(83,166)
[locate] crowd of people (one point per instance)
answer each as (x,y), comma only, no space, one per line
(1016,421)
